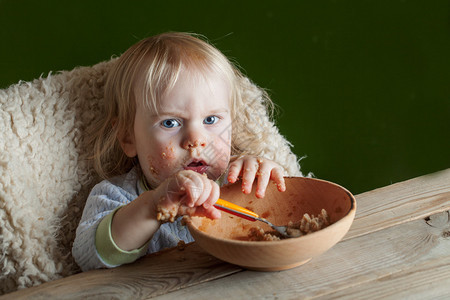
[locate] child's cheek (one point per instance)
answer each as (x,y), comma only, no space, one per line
(153,166)
(168,153)
(223,154)
(162,160)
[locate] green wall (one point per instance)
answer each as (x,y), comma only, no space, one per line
(363,86)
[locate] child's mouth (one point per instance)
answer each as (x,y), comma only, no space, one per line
(197,166)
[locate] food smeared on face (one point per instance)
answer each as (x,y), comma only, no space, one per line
(151,168)
(187,132)
(168,153)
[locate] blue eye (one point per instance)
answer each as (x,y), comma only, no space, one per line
(210,120)
(170,123)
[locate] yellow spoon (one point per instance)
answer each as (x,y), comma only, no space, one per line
(247,214)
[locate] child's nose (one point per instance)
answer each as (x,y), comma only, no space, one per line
(194,140)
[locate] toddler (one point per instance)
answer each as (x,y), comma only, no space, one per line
(164,147)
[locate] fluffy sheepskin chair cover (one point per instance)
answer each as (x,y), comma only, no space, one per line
(45,175)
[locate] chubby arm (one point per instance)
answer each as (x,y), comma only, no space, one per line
(184,193)
(135,223)
(252,167)
(104,199)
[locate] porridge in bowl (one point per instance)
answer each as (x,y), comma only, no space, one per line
(307,224)
(228,239)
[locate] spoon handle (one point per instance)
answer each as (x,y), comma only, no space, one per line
(236,210)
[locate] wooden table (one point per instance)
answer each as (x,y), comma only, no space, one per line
(398,247)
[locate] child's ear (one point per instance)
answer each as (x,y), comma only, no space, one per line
(127,142)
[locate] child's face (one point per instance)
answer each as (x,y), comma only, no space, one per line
(192,130)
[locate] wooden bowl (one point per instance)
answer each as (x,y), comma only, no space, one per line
(227,237)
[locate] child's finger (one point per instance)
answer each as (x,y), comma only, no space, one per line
(264,174)
(213,195)
(194,186)
(277,176)
(211,212)
(210,193)
(250,168)
(235,170)
(205,192)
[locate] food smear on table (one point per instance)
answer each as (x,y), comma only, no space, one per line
(306,225)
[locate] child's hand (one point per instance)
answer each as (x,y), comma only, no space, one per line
(250,167)
(188,193)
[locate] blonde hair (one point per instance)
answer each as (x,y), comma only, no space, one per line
(144,73)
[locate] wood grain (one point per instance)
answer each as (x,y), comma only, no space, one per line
(429,279)
(150,276)
(401,202)
(384,258)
